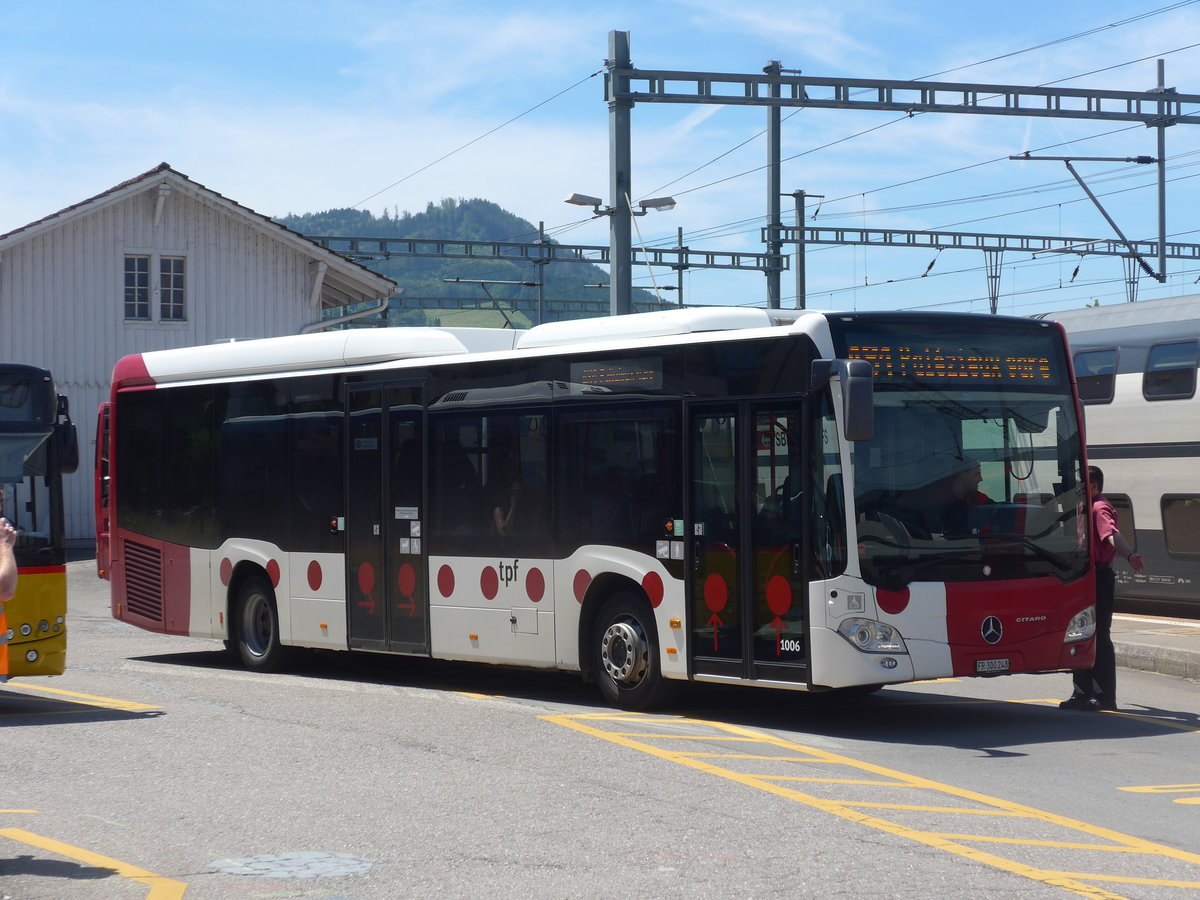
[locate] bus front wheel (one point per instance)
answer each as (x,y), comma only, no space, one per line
(625,654)
(257,621)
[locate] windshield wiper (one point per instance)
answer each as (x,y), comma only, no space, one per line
(938,556)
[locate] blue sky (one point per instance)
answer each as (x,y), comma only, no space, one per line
(302,106)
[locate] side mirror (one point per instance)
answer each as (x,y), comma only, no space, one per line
(66,439)
(857,378)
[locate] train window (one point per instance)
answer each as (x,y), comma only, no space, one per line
(1095,373)
(1170,371)
(1181,524)
(1124,507)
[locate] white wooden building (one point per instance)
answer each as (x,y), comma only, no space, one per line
(157,262)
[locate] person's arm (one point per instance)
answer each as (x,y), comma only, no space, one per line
(8,562)
(1135,560)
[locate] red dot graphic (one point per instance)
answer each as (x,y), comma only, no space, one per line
(226,571)
(652,584)
(892,602)
(535,585)
(273,573)
(489,583)
(314,575)
(445,581)
(406,580)
(580,584)
(366,578)
(779,595)
(716,592)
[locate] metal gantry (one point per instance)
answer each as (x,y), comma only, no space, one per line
(777,88)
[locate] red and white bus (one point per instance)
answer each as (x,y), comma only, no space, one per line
(742,496)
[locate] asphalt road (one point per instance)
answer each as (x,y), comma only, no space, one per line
(157,768)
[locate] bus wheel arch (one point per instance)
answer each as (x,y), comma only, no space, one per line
(620,646)
(254,621)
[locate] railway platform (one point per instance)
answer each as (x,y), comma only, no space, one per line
(1157,644)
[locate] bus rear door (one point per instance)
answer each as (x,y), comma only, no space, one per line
(386,568)
(748,593)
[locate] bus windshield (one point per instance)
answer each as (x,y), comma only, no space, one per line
(969,485)
(973,472)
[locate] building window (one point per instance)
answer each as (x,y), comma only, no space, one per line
(163,300)
(1096,373)
(1170,371)
(171,289)
(137,287)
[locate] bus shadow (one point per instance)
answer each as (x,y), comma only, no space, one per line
(923,718)
(410,671)
(892,715)
(18,709)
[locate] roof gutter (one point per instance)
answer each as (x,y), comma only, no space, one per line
(341,320)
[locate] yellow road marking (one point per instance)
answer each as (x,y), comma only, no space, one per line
(1164,789)
(161,888)
(703,731)
(1169,789)
(90,700)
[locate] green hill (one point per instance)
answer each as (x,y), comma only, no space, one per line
(470,220)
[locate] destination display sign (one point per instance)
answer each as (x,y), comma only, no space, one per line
(1005,358)
(620,374)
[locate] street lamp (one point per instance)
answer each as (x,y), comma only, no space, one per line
(620,243)
(658,204)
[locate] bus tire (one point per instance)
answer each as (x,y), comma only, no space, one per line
(624,649)
(257,627)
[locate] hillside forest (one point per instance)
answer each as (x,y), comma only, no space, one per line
(422,280)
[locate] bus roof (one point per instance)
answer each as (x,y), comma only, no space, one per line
(363,346)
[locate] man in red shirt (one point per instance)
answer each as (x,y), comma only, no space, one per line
(1096,688)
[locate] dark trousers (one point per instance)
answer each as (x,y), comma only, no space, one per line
(1100,681)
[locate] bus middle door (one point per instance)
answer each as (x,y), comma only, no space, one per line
(748,593)
(386,569)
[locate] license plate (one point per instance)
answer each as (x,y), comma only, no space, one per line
(990,665)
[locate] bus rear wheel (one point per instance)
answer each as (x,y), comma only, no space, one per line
(625,654)
(257,621)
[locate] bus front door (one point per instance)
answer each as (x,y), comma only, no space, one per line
(387,592)
(748,593)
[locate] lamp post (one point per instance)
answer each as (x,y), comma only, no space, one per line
(620,252)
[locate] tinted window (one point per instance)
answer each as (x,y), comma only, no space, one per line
(315,448)
(617,478)
(189,515)
(141,453)
(1095,373)
(1170,371)
(489,489)
(252,475)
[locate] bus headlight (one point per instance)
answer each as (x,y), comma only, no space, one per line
(43,626)
(1081,627)
(871,636)
(26,630)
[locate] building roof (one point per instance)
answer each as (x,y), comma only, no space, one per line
(346,282)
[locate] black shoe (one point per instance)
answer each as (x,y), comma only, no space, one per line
(1080,702)
(1107,705)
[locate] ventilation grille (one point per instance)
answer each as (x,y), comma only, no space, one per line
(143,581)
